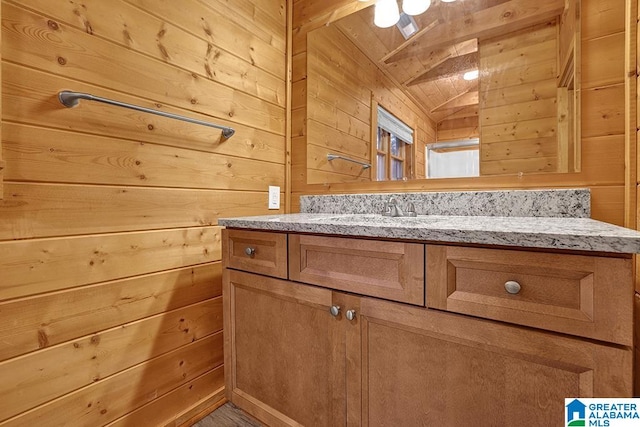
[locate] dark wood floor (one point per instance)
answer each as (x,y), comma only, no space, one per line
(228,415)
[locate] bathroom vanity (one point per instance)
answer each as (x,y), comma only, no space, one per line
(359,319)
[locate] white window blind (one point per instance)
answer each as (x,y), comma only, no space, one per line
(393,125)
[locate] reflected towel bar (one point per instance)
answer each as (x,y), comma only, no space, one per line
(71,99)
(336,156)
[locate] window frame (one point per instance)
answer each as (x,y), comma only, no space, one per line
(407,150)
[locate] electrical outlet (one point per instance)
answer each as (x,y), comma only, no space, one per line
(274,197)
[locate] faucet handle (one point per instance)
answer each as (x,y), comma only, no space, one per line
(411,210)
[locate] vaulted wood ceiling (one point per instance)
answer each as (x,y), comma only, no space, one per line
(429,65)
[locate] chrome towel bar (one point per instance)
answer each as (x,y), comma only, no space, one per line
(71,99)
(336,156)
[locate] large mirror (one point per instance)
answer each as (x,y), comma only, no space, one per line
(467,88)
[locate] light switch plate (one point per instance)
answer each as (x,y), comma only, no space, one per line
(274,197)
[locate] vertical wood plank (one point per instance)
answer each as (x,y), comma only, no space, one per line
(631,125)
(289,117)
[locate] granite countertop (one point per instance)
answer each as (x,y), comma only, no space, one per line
(550,219)
(582,234)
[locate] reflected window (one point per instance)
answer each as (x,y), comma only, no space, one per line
(453,159)
(393,146)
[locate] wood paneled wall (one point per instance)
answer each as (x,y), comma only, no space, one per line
(340,92)
(110,277)
(605,127)
(459,126)
(518,107)
(339,88)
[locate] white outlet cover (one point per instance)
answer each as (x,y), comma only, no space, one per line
(274,197)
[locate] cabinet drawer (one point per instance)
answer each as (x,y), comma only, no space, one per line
(389,270)
(256,252)
(589,296)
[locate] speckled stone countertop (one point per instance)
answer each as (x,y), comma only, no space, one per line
(582,234)
(550,219)
(564,203)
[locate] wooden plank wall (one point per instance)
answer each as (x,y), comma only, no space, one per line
(340,86)
(340,83)
(603,117)
(518,107)
(110,276)
(459,126)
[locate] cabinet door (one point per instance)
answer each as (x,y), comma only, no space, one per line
(284,351)
(425,367)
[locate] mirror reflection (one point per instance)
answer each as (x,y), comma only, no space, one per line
(465,88)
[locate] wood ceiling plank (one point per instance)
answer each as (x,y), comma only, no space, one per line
(316,14)
(438,56)
(410,41)
(490,22)
(468,111)
(462,100)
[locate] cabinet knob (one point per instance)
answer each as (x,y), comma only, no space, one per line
(512,287)
(350,314)
(250,251)
(334,310)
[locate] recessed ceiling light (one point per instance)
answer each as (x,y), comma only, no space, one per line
(471,75)
(447,1)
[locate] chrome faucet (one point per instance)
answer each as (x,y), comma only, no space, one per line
(391,208)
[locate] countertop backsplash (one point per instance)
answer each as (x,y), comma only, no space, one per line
(558,203)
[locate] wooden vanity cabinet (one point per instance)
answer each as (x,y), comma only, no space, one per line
(432,368)
(284,352)
(289,361)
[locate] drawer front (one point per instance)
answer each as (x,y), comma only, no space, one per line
(589,296)
(389,270)
(255,251)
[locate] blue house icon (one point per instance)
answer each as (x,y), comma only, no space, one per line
(575,407)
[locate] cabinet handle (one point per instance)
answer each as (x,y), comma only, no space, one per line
(250,251)
(350,314)
(334,310)
(512,287)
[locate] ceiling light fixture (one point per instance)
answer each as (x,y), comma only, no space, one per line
(447,1)
(471,75)
(386,13)
(415,7)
